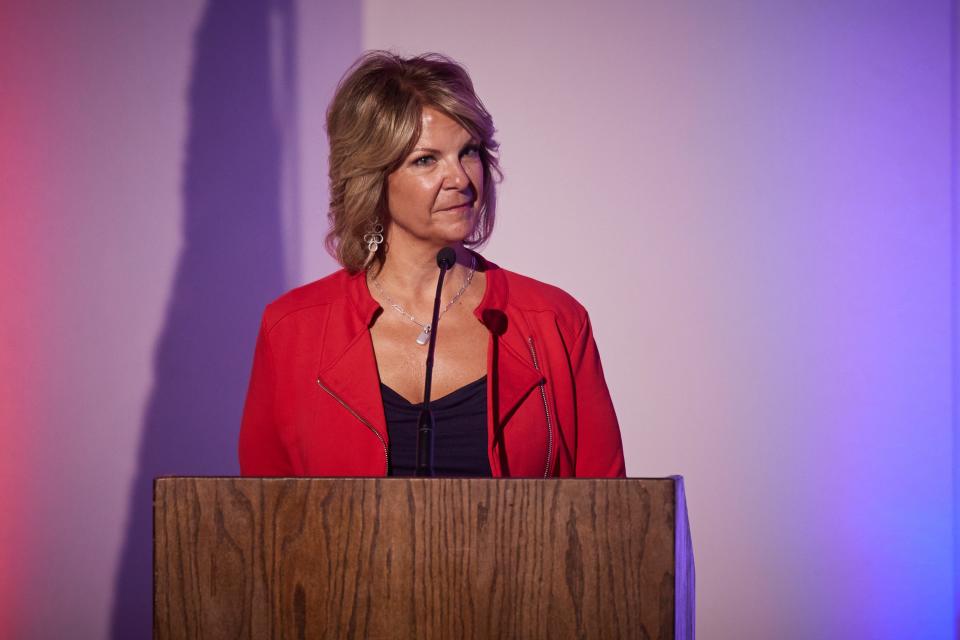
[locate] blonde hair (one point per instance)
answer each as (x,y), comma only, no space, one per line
(373,123)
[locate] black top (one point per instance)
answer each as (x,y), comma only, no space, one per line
(459,432)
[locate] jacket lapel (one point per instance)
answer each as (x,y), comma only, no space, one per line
(352,379)
(514,376)
(511,370)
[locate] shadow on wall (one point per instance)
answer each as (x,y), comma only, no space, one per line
(231,265)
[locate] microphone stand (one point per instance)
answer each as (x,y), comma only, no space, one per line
(424,469)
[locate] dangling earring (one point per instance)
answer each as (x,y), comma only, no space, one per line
(373,238)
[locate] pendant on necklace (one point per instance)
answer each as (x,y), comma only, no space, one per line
(424,336)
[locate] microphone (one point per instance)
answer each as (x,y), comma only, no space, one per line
(446,258)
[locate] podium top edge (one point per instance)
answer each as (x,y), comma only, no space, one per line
(672,478)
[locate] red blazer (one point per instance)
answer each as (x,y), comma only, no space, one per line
(314,408)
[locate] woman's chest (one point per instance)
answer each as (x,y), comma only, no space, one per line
(459,359)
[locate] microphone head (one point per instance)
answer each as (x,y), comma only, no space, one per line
(446,258)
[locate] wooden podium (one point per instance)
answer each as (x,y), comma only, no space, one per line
(421,558)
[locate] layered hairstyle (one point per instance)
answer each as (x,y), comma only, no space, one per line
(374,123)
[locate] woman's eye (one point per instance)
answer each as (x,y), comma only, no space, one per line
(423,161)
(472,150)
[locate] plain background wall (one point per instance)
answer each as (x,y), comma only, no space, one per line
(92,137)
(752,199)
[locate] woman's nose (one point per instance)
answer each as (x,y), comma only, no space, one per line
(456,177)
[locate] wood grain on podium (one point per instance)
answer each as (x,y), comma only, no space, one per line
(394,558)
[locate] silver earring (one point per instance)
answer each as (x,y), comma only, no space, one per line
(373,238)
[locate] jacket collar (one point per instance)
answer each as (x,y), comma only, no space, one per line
(509,363)
(353,375)
(361,300)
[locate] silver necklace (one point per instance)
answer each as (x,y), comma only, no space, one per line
(424,336)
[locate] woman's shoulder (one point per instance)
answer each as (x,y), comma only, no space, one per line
(311,297)
(532,295)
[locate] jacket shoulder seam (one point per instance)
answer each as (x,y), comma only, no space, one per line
(576,318)
(275,321)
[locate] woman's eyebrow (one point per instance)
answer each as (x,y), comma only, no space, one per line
(469,143)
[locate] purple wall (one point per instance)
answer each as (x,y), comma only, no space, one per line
(753,200)
(148,206)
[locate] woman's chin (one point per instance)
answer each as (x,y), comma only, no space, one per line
(454,233)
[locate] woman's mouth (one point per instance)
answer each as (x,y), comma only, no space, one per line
(463,206)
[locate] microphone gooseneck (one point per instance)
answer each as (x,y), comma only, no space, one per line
(446,258)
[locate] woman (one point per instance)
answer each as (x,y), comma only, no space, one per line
(339,365)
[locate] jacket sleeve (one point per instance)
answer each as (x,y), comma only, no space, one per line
(261,450)
(599,450)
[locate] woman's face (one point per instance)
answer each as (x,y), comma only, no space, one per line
(434,196)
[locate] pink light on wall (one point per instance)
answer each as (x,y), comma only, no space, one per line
(21,320)
(90,139)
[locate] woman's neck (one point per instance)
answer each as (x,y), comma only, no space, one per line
(412,272)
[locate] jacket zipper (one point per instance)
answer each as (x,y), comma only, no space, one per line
(546,410)
(386,451)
